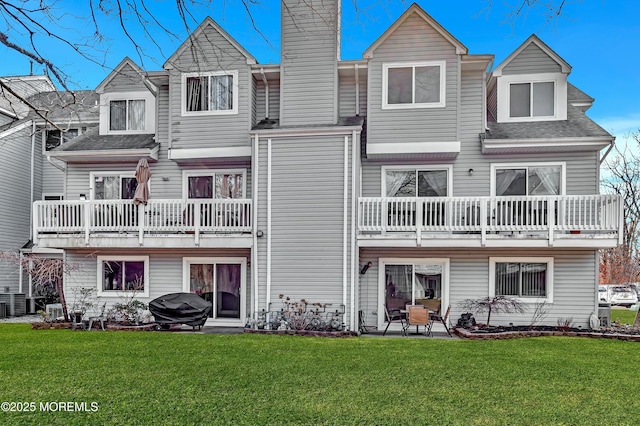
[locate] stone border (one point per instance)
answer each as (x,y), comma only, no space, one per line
(303,333)
(51,325)
(466,334)
(120,327)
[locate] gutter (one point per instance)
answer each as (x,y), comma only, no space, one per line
(604,156)
(32,178)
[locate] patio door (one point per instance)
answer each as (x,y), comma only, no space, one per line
(221,282)
(413,281)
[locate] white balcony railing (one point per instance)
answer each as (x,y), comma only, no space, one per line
(550,214)
(89,217)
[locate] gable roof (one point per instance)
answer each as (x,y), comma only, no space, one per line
(461,49)
(209,22)
(118,69)
(533,39)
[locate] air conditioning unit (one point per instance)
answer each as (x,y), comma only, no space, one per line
(16,303)
(3,310)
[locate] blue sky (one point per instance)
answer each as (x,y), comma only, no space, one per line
(599,38)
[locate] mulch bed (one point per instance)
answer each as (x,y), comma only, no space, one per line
(303,332)
(498,333)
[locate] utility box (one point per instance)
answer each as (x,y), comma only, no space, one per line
(604,314)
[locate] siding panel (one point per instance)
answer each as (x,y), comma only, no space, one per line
(531,60)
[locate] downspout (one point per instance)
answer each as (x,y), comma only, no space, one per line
(268,297)
(613,143)
(254,251)
(32,177)
(354,210)
(357,78)
(345,220)
(266,93)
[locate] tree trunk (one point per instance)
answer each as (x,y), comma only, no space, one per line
(62,299)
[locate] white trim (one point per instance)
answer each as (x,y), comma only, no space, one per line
(523,259)
(15,129)
(183,93)
(8,113)
(345,219)
(565,67)
(413,65)
(269,182)
(594,143)
(419,168)
(255,173)
(123,293)
(526,165)
(242,261)
(149,112)
(444,262)
(120,174)
(221,152)
(355,157)
(504,96)
(186,174)
(310,131)
(106,154)
(399,148)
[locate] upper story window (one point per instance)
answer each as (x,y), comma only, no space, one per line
(533,179)
(414,85)
(113,186)
(124,113)
(55,138)
(417,182)
(210,93)
(532,97)
(127,114)
(215,184)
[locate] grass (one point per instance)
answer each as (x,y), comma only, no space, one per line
(625,316)
(169,378)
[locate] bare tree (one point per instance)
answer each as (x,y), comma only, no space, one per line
(496,304)
(621,264)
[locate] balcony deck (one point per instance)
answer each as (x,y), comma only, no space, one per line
(580,221)
(159,224)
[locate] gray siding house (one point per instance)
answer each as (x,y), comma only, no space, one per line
(417,174)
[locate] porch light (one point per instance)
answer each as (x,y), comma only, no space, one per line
(470,172)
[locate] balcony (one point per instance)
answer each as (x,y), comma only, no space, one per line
(578,221)
(159,224)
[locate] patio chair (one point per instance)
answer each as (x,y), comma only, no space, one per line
(443,319)
(418,315)
(394,315)
(100,318)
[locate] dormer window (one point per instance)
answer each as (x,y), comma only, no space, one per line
(127,115)
(210,93)
(413,85)
(127,112)
(532,97)
(55,138)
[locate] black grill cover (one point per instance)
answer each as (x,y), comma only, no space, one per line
(180,308)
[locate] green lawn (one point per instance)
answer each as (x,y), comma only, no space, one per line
(169,378)
(625,316)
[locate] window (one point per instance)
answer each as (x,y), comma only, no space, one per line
(420,85)
(532,99)
(127,115)
(127,112)
(215,184)
(420,183)
(113,186)
(123,274)
(210,93)
(543,179)
(55,138)
(529,279)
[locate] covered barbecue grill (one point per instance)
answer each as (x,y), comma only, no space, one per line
(180,308)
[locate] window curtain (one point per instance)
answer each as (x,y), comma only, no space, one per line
(197,93)
(432,183)
(505,178)
(228,278)
(107,188)
(118,115)
(129,185)
(549,180)
(201,187)
(221,92)
(136,115)
(201,278)
(229,186)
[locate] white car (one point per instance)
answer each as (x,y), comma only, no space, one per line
(623,295)
(603,294)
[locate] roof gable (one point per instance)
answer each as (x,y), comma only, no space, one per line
(461,49)
(533,39)
(208,22)
(120,70)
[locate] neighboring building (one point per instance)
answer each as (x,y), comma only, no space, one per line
(411,174)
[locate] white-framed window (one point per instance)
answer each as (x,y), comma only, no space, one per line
(125,113)
(52,197)
(529,279)
(414,85)
(210,93)
(119,275)
(112,185)
(417,181)
(206,184)
(54,137)
(532,97)
(528,179)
